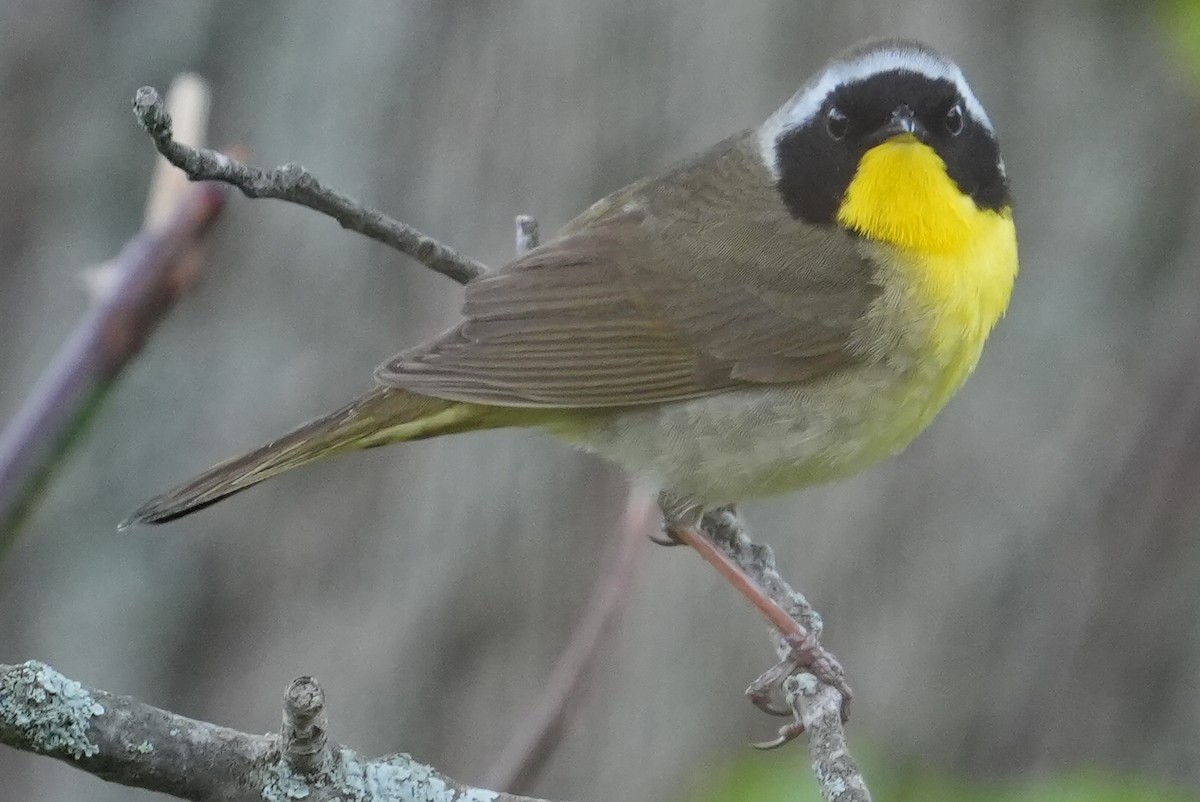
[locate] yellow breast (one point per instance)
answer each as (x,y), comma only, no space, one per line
(959,261)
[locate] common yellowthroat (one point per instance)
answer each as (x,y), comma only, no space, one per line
(785,308)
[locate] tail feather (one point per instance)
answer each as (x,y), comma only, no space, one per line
(384,415)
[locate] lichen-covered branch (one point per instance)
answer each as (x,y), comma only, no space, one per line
(294,184)
(818,705)
(125,741)
(819,709)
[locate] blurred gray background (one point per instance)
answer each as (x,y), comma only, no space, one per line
(1019,593)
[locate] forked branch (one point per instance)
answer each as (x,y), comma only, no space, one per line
(135,744)
(294,184)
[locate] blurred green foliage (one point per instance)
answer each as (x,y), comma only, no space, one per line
(771,779)
(1181,22)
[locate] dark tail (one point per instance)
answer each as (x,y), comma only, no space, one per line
(382,416)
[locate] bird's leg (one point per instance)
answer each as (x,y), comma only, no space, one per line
(678,509)
(751,571)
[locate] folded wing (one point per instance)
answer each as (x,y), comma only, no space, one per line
(632,311)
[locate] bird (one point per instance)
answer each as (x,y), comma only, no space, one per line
(783,309)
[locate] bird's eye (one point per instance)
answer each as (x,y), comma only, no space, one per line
(954,120)
(836,123)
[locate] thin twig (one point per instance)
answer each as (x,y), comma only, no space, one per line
(526,753)
(188,102)
(125,741)
(139,287)
(294,184)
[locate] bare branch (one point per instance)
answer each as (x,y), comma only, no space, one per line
(294,184)
(132,293)
(125,741)
(531,746)
(140,287)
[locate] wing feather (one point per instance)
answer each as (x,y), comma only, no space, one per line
(638,305)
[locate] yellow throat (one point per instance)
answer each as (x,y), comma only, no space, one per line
(961,260)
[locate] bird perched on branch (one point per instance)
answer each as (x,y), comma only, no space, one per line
(785,308)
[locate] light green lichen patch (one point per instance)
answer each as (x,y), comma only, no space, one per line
(399,779)
(144,748)
(283,785)
(477,795)
(806,684)
(395,779)
(52,712)
(833,787)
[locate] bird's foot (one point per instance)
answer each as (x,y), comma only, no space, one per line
(751,571)
(790,685)
(804,656)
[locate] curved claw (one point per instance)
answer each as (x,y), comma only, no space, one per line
(667,540)
(787,733)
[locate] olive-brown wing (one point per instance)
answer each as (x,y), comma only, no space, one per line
(622,314)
